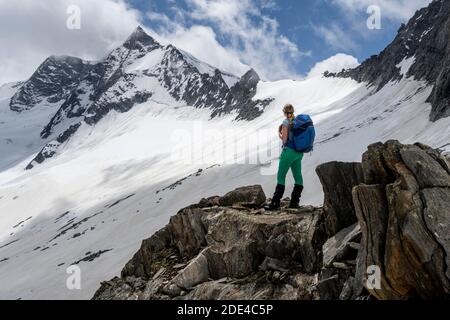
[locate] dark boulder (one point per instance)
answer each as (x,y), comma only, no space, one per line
(338,180)
(252,196)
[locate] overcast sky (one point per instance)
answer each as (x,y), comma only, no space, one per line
(280,39)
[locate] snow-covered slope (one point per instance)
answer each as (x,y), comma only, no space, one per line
(119,181)
(130,140)
(138,71)
(421,50)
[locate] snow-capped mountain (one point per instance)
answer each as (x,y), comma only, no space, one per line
(420,50)
(139,70)
(100,139)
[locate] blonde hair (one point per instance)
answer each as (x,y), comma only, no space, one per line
(289,108)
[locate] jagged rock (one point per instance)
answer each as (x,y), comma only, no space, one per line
(347,290)
(338,180)
(226,242)
(327,287)
(209,202)
(248,291)
(337,247)
(215,251)
(252,196)
(188,231)
(332,282)
(184,235)
(238,243)
(404,220)
(296,287)
(274,265)
(53,81)
(360,272)
(241,94)
(130,288)
(151,249)
(196,272)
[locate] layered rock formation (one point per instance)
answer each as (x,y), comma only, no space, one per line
(227,248)
(404,213)
(338,180)
(386,219)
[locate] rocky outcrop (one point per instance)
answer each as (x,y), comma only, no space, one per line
(396,244)
(405,220)
(338,180)
(247,196)
(338,247)
(241,99)
(52,82)
(226,247)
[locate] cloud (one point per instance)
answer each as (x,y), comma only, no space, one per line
(344,33)
(245,33)
(333,64)
(31,30)
(335,36)
(394,10)
(269,5)
(201,42)
(229,34)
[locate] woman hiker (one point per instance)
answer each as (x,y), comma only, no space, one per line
(290,159)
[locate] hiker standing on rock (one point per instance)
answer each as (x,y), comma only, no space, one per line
(297,135)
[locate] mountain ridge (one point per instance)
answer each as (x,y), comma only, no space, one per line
(96,88)
(425,39)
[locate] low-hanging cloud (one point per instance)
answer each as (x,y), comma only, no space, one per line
(335,63)
(232,35)
(31,30)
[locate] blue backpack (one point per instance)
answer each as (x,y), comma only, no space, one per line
(304,133)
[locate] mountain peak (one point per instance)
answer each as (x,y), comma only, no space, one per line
(251,75)
(139,29)
(140,36)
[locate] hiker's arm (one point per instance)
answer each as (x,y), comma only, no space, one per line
(284,134)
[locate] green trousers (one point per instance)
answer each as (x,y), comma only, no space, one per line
(290,159)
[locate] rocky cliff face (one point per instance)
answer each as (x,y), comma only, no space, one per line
(421,50)
(63,73)
(404,213)
(390,212)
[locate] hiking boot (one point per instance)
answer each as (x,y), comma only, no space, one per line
(295,197)
(276,199)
